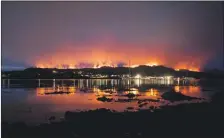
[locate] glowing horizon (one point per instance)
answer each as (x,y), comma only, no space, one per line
(106,53)
(104,64)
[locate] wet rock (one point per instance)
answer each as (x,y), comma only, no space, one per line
(130,95)
(143,104)
(140,101)
(176,96)
(130,108)
(53,93)
(104,99)
(125,100)
(151,107)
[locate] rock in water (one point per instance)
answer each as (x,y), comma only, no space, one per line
(176,96)
(104,99)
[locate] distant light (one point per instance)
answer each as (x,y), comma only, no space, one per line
(168,77)
(138,76)
(178,80)
(54,71)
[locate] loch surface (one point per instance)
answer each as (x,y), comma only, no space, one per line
(31,101)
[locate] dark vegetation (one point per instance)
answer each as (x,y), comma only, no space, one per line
(32,73)
(195,119)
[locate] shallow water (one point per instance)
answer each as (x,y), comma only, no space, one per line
(26,100)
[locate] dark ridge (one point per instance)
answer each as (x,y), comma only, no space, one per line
(107,72)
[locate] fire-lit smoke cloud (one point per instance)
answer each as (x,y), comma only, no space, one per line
(181,35)
(111,53)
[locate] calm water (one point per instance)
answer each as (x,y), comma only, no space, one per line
(26,100)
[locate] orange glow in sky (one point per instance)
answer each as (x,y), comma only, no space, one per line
(106,54)
(73,64)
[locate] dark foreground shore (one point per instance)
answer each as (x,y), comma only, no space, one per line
(196,119)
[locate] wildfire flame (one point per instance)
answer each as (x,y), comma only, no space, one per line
(110,64)
(187,66)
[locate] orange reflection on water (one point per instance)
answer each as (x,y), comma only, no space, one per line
(40,91)
(152,93)
(72,89)
(189,90)
(177,88)
(77,100)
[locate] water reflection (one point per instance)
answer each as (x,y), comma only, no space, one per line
(83,95)
(194,91)
(152,93)
(114,87)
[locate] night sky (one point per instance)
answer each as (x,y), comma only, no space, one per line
(52,34)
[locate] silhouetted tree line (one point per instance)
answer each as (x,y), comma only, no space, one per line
(109,72)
